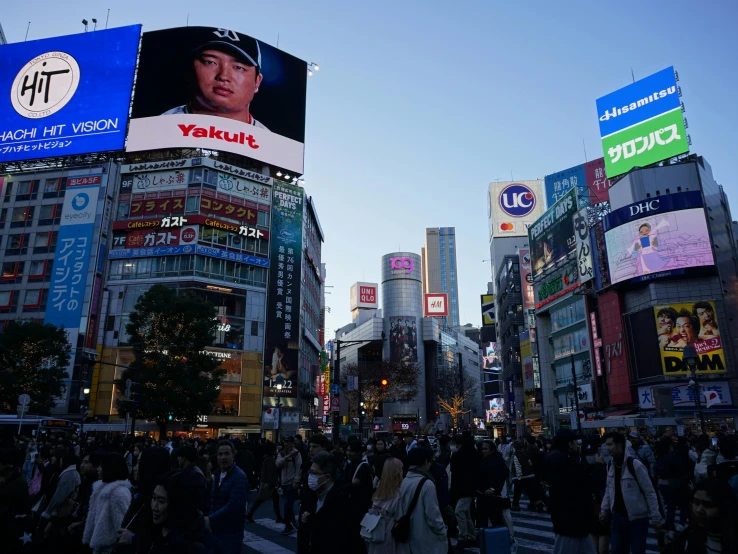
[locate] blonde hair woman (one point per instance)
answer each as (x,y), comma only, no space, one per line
(385,503)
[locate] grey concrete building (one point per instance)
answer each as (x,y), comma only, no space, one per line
(439,272)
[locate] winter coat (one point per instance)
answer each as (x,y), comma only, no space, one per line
(65,493)
(108,505)
(464,472)
(570,494)
(291,466)
(646,457)
(228,502)
(637,505)
(427,529)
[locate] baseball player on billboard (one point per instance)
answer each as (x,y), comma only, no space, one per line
(226,75)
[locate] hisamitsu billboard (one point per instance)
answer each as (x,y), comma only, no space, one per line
(642,123)
(66,95)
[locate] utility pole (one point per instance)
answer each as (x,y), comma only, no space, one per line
(576,395)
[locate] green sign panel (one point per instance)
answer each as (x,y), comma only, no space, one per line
(645,143)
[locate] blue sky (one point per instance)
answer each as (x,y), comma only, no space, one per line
(418,105)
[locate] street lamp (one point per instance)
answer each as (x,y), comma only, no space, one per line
(278,386)
(83,409)
(689,356)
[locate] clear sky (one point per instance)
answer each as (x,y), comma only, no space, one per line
(419,104)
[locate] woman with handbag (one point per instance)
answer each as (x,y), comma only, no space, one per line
(376,527)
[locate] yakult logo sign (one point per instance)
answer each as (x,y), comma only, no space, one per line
(402,263)
(517,200)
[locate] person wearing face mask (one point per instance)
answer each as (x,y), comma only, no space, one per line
(327,520)
(713,522)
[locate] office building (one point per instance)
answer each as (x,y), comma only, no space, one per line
(439,268)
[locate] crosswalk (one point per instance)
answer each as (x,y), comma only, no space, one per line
(533,533)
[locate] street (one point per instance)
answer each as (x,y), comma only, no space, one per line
(533,532)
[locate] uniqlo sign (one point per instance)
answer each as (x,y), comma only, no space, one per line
(436,304)
(368,295)
(364,295)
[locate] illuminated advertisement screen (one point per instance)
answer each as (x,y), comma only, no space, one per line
(66,95)
(202,87)
(552,237)
(696,324)
(659,237)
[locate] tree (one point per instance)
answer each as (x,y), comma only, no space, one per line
(452,394)
(174,375)
(33,361)
(381,381)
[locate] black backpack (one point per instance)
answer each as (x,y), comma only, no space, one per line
(401,530)
(631,467)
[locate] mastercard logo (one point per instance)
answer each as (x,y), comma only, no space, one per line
(506,226)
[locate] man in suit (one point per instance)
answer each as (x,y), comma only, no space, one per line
(327,518)
(228,501)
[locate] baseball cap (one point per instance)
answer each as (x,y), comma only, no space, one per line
(242,46)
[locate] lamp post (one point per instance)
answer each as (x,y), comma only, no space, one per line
(689,355)
(278,386)
(576,396)
(83,409)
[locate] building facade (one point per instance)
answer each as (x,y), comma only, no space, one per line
(439,272)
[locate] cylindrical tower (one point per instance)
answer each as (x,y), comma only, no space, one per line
(402,309)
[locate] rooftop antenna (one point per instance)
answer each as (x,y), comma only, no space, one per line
(277,40)
(95,22)
(585,150)
(511,176)
(106,18)
(27,29)
(632,75)
(84,22)
(188,20)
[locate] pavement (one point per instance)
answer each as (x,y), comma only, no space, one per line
(533,533)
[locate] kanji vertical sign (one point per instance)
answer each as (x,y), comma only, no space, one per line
(283,303)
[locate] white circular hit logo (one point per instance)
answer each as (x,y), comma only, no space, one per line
(45,85)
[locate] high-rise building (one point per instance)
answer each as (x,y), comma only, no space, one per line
(439,268)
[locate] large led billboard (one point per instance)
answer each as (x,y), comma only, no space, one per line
(659,237)
(551,238)
(642,123)
(66,95)
(696,324)
(512,206)
(589,179)
(202,87)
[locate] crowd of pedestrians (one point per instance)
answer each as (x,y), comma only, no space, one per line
(402,494)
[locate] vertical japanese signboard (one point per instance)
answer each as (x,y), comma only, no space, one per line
(526,278)
(72,256)
(285,276)
(585,264)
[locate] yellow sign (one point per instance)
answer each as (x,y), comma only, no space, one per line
(488,310)
(696,324)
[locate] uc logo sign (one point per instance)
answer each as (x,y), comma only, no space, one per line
(517,200)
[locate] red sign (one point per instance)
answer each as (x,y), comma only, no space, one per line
(436,304)
(597,181)
(188,235)
(227,209)
(148,238)
(84,181)
(368,295)
(157,206)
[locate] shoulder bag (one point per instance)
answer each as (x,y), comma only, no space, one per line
(401,530)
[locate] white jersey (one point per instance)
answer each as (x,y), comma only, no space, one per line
(184,110)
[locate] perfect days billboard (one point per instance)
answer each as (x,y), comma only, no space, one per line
(642,123)
(66,95)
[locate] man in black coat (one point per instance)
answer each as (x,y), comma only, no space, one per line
(571,503)
(326,519)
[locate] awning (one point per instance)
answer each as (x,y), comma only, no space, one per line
(620,414)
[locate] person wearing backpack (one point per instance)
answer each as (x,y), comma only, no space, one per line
(420,516)
(629,500)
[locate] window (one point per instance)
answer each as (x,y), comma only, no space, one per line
(192,205)
(19,214)
(3,215)
(8,190)
(262,219)
(33,298)
(46,214)
(24,187)
(51,185)
(123,208)
(6,299)
(15,245)
(9,270)
(41,239)
(37,268)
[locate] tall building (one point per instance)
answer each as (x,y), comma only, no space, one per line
(439,268)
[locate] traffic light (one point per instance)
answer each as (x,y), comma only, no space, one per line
(170,417)
(384,382)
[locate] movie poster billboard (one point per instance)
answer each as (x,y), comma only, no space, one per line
(403,339)
(202,87)
(696,324)
(526,279)
(552,238)
(659,237)
(66,95)
(283,304)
